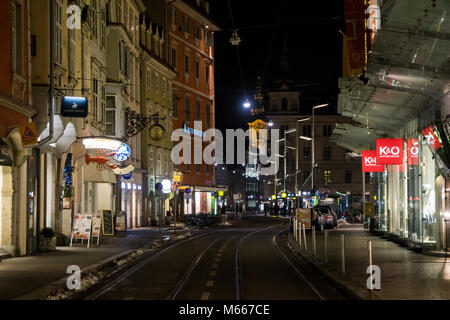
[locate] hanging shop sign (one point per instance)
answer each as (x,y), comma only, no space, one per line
(193,131)
(127,176)
(390,151)
(28,134)
(413,152)
(432,138)
(123,170)
(166,186)
(369,162)
(157,131)
(121,154)
(102,143)
(74,107)
(5,154)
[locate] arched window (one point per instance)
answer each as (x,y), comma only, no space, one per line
(284,104)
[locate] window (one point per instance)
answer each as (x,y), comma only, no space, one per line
(58,32)
(306,153)
(327,176)
(326,153)
(95,98)
(164,87)
(103,29)
(188,167)
(207,169)
(208,115)
(110,122)
(187,25)
(94,18)
(284,104)
(348,176)
(125,15)
(158,164)
(156,82)
(207,77)
(166,165)
(149,76)
(198,111)
(186,63)
(198,32)
(119,11)
(103,105)
(197,69)
(307,131)
(72,46)
(198,168)
(151,168)
(17,39)
(175,105)
(174,58)
(327,131)
(188,109)
(123,57)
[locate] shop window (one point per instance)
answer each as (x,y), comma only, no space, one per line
(327,176)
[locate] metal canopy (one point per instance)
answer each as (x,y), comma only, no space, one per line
(408,71)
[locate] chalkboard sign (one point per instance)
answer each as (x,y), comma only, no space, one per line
(107,223)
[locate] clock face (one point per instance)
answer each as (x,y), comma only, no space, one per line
(157,132)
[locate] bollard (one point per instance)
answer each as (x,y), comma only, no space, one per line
(369,252)
(326,246)
(343,254)
(313,240)
(304,237)
(294,228)
(299,235)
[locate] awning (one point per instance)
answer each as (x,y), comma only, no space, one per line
(64,135)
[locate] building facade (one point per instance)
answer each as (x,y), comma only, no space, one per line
(191,54)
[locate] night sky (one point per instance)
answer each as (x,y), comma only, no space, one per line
(314,47)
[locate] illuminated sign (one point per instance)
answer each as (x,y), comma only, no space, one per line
(369,162)
(193,131)
(274,197)
(123,153)
(166,186)
(74,107)
(390,151)
(432,139)
(283,195)
(413,151)
(220,193)
(102,143)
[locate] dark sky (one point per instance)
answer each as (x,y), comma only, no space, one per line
(314,47)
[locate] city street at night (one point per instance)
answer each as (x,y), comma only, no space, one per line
(225,158)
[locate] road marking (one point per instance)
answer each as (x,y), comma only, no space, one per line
(205,296)
(214,266)
(212,273)
(210,283)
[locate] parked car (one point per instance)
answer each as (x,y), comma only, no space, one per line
(329,219)
(317,219)
(331,210)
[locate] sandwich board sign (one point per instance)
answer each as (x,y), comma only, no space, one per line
(304,216)
(96,226)
(82,224)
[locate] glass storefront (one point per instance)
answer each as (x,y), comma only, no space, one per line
(406,199)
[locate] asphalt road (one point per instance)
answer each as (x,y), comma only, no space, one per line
(248,261)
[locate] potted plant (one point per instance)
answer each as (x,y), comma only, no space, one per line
(47,240)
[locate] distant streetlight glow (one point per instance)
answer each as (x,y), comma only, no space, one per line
(247,104)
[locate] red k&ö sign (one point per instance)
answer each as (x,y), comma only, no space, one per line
(390,151)
(369,162)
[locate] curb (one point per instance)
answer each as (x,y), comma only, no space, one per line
(354,293)
(48,289)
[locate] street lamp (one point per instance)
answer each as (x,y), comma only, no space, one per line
(296,155)
(312,146)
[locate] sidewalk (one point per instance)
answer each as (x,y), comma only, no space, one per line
(404,274)
(22,275)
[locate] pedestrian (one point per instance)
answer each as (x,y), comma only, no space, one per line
(276,209)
